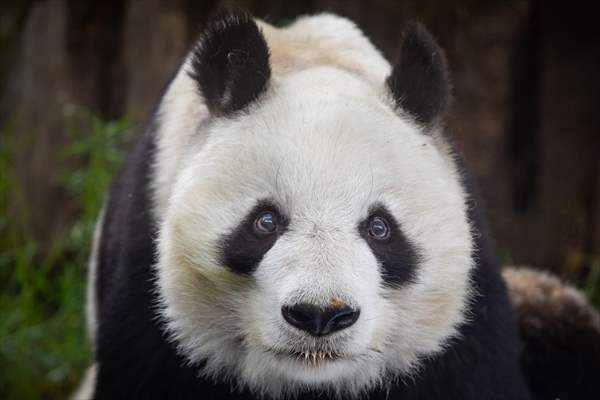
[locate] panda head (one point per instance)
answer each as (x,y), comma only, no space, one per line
(315,235)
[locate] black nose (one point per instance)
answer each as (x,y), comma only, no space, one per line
(319,321)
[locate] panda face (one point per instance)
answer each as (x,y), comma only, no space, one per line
(316,240)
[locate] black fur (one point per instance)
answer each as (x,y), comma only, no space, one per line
(231,63)
(419,82)
(397,256)
(243,249)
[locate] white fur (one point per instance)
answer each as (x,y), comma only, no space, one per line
(325,144)
(178,120)
(85,391)
(92,276)
(323,39)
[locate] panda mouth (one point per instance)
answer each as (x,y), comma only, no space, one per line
(310,357)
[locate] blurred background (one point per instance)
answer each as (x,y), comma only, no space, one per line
(78,76)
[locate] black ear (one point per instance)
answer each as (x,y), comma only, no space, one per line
(420,81)
(231,63)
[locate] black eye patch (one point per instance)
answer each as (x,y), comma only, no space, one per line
(243,248)
(397,256)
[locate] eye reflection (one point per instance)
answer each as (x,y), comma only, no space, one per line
(266,223)
(379,228)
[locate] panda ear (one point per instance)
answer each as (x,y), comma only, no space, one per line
(230,64)
(419,82)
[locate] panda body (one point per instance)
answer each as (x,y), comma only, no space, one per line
(309,131)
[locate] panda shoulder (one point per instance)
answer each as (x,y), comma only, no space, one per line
(540,296)
(560,334)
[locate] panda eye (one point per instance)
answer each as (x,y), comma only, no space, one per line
(266,223)
(379,228)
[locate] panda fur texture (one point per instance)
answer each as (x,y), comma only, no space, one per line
(560,336)
(292,223)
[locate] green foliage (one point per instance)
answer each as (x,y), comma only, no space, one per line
(591,284)
(43,347)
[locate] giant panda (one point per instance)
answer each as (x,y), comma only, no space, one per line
(294,223)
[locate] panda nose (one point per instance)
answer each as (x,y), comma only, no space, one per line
(319,321)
